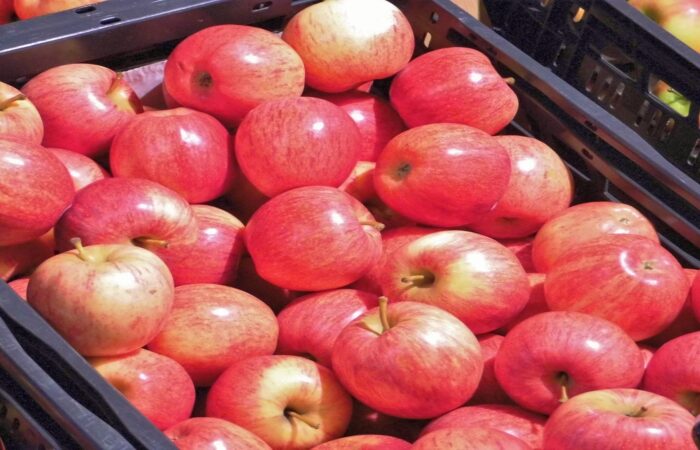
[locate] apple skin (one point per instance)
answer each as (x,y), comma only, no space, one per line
(208,432)
(522,248)
(35,189)
(7,9)
(211,327)
(365,442)
(583,223)
(540,187)
(249,281)
(259,394)
(535,305)
(342,49)
(83,170)
(684,323)
(453,85)
(366,420)
(469,275)
(20,287)
(444,175)
(524,425)
(674,372)
(682,21)
(440,361)
(313,238)
(625,276)
(182,149)
(148,380)
(227,70)
(21,259)
(19,119)
(489,391)
(310,324)
(126,294)
(656,10)
(82,106)
(550,351)
(618,419)
(26,9)
(695,295)
(299,141)
(647,353)
(473,438)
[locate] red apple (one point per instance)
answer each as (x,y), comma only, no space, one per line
(82,170)
(313,238)
(345,43)
(474,438)
(540,187)
(409,360)
(695,295)
(620,419)
(366,420)
(524,425)
(489,391)
(583,223)
(443,174)
(21,259)
(156,385)
(19,119)
(35,189)
(620,278)
(522,248)
(207,432)
(103,299)
(469,275)
(249,281)
(535,305)
(365,442)
(26,9)
(227,70)
(300,141)
(453,85)
(552,356)
(83,106)
(684,323)
(182,149)
(20,287)
(647,353)
(7,9)
(288,401)
(310,324)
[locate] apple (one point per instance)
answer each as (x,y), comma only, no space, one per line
(249,281)
(26,9)
(103,299)
(550,357)
(298,141)
(696,433)
(19,119)
(83,106)
(524,425)
(156,385)
(35,189)
(313,238)
(540,187)
(695,295)
(489,391)
(7,9)
(310,324)
(227,70)
(620,419)
(82,170)
(408,360)
(674,372)
(583,223)
(656,10)
(453,85)
(365,442)
(473,438)
(469,275)
(366,420)
(21,259)
(682,20)
(182,149)
(535,305)
(624,276)
(208,432)
(684,323)
(287,401)
(243,198)
(345,43)
(20,287)
(444,175)
(522,248)
(647,353)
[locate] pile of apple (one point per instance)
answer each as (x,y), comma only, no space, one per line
(403,274)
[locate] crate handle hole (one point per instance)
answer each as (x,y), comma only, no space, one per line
(668,128)
(604,88)
(642,112)
(427,39)
(85,9)
(617,95)
(592,80)
(694,154)
(110,20)
(435,17)
(654,121)
(669,96)
(262,6)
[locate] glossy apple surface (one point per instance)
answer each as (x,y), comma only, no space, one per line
(208,432)
(442,174)
(473,438)
(647,353)
(293,142)
(249,281)
(536,304)
(227,70)
(21,259)
(26,9)
(365,442)
(625,276)
(19,119)
(684,323)
(20,287)
(489,391)
(82,170)
(522,248)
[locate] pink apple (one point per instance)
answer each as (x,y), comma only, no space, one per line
(19,119)
(365,442)
(20,287)
(82,170)
(489,391)
(620,419)
(26,9)
(453,85)
(208,432)
(345,43)
(227,70)
(408,360)
(7,9)
(313,238)
(298,141)
(583,223)
(366,420)
(310,324)
(83,106)
(35,189)
(249,281)
(535,305)
(156,385)
(695,294)
(103,299)
(211,327)
(522,248)
(474,438)
(443,174)
(684,323)
(647,353)
(21,259)
(182,149)
(620,278)
(288,401)
(552,356)
(469,275)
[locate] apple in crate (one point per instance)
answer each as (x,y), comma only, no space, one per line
(249,281)
(20,287)
(365,442)
(474,438)
(26,9)
(19,119)
(22,259)
(536,304)
(522,248)
(489,391)
(684,323)
(695,295)
(7,9)
(103,299)
(83,170)
(208,432)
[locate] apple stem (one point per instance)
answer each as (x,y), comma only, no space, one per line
(78,244)
(6,103)
(144,241)
(374,224)
(413,279)
(307,421)
(563,380)
(384,313)
(510,81)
